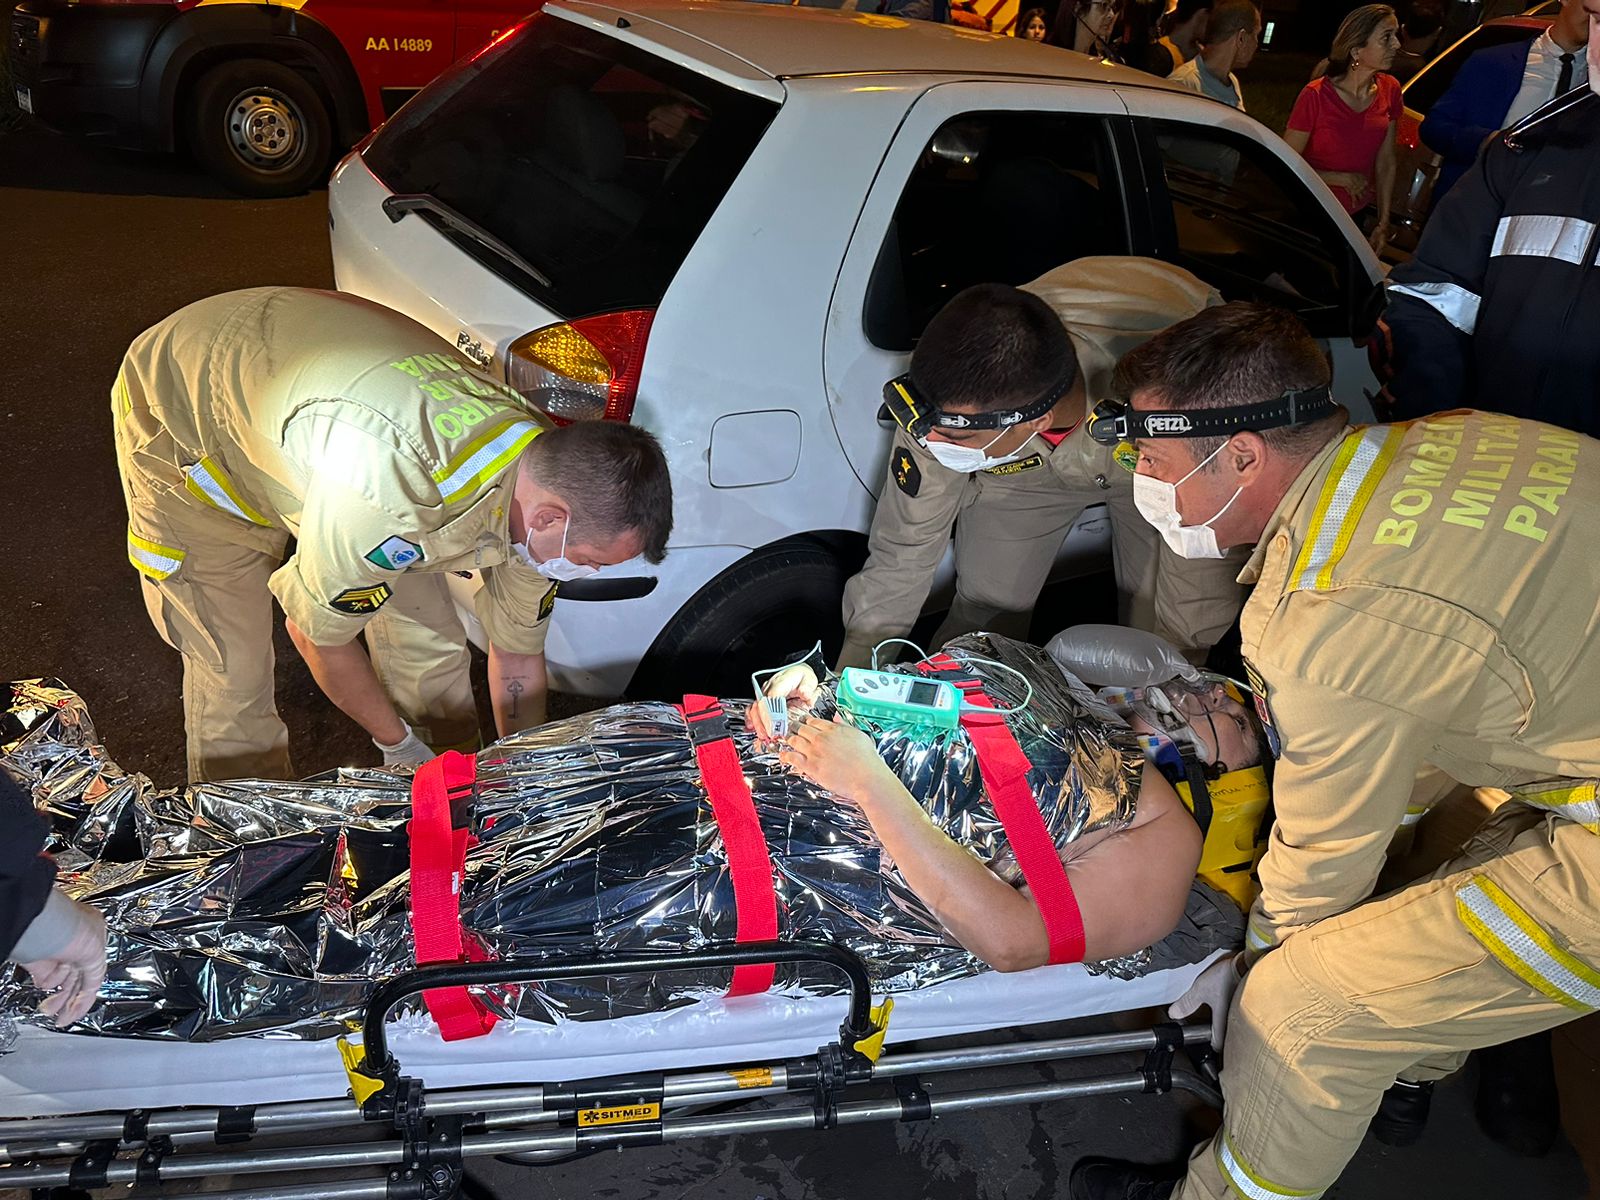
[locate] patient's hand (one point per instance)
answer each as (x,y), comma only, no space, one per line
(838,757)
(796,683)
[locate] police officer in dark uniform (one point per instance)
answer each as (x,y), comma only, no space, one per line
(1500,307)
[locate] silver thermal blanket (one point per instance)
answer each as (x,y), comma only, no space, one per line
(265,907)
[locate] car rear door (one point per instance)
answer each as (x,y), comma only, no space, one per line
(986,181)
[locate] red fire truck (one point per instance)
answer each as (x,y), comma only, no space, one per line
(262,93)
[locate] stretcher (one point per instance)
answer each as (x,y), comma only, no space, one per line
(402,1104)
(396,1112)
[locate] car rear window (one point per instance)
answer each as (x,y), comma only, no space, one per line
(597,162)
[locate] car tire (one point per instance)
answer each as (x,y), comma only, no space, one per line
(261,128)
(767,610)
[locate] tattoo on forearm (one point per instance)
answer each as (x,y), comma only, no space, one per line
(515,687)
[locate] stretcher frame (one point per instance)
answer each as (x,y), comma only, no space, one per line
(427,1136)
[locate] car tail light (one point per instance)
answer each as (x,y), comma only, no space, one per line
(587,370)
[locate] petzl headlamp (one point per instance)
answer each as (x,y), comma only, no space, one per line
(1113,421)
(919,418)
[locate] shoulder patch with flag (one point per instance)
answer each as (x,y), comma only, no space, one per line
(1258,688)
(362,600)
(394,554)
(907,475)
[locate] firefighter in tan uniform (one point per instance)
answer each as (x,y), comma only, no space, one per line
(252,417)
(1425,599)
(990,445)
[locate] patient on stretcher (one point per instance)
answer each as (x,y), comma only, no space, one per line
(1154,854)
(269,907)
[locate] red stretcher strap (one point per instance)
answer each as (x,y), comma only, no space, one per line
(734,809)
(438,859)
(1004,768)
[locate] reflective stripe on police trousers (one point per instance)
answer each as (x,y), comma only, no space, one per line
(1524,947)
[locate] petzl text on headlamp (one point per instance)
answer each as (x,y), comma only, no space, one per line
(919,418)
(1114,421)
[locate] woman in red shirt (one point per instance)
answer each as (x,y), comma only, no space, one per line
(1343,124)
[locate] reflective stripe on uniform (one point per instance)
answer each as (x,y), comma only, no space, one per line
(1257,939)
(1247,1183)
(1357,468)
(206,481)
(1524,947)
(487,455)
(1565,238)
(1450,300)
(1576,802)
(152,559)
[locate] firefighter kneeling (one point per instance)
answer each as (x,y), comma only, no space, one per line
(1424,598)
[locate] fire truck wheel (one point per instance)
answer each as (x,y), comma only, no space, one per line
(261,128)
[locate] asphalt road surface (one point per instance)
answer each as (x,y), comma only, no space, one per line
(99,245)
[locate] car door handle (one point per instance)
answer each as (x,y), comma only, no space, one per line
(884,419)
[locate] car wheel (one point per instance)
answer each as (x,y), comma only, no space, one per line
(762,612)
(261,128)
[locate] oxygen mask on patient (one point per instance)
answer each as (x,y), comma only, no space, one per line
(1207,718)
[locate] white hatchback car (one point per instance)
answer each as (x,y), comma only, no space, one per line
(729,222)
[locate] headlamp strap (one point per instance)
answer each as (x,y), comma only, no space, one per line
(1292,408)
(917,417)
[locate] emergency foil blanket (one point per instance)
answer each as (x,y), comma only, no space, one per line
(264,907)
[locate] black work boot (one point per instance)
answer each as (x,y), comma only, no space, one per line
(1403,1113)
(1114,1179)
(1518,1105)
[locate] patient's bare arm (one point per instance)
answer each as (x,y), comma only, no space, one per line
(1131,885)
(980,910)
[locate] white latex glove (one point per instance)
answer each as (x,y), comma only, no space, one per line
(1213,988)
(65,951)
(409,751)
(796,684)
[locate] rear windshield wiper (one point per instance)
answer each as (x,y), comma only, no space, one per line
(396,207)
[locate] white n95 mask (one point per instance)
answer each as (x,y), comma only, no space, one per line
(1157,503)
(559,568)
(966,459)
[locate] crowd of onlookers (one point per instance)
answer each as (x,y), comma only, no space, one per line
(1343,123)
(1346,119)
